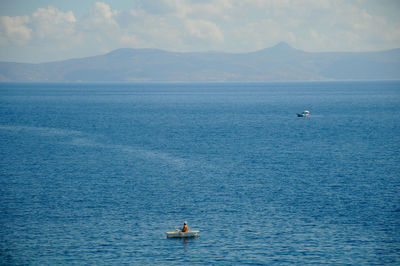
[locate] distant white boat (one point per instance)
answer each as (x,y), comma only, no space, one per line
(305,113)
(180,234)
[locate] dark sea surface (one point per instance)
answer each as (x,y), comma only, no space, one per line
(98,173)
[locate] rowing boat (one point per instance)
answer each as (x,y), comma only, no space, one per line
(180,234)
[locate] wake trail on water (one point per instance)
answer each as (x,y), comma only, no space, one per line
(42,131)
(79,138)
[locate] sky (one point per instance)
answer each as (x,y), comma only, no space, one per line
(49,30)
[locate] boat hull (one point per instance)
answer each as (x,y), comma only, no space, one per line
(302,115)
(179,234)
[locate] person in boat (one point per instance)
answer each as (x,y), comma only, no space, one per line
(185,227)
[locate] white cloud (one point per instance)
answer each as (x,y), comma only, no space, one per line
(14,30)
(152,31)
(102,17)
(347,27)
(51,23)
(204,30)
(336,25)
(100,28)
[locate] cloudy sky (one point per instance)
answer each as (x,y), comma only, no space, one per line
(48,30)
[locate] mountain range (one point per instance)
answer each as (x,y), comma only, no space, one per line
(278,63)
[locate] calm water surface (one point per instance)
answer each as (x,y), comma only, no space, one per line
(97,173)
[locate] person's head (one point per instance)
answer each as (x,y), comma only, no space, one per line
(184,223)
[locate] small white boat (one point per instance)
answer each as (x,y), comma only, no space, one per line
(305,113)
(180,234)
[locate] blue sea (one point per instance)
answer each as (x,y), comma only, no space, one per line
(98,173)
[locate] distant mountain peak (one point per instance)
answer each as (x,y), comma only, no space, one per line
(282,46)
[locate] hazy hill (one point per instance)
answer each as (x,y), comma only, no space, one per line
(278,63)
